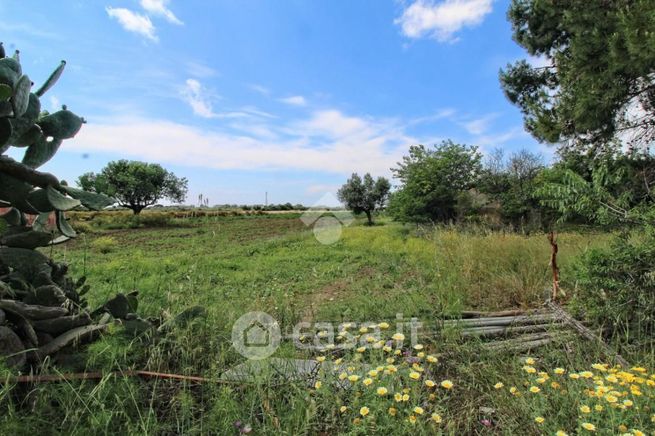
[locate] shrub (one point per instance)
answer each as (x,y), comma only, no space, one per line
(104,244)
(617,286)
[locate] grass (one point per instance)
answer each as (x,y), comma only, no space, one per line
(272,263)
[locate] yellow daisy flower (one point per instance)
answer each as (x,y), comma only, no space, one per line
(588,426)
(364,411)
(436,418)
(381,391)
(447,384)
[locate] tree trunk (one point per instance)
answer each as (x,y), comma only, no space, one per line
(369,217)
(137,208)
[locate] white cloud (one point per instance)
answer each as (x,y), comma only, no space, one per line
(133,22)
(198,98)
(158,7)
(259,89)
(201,71)
(296,100)
(321,143)
(55,104)
(442,20)
(480,125)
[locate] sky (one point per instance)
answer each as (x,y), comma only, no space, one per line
(248,97)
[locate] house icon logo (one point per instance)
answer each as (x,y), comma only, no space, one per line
(256,335)
(326,220)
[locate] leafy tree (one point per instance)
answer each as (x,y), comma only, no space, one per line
(612,188)
(597,84)
(135,185)
(364,196)
(511,183)
(432,180)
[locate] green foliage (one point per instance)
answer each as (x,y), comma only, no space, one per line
(597,82)
(364,196)
(104,244)
(606,189)
(135,185)
(23,125)
(431,181)
(511,183)
(616,287)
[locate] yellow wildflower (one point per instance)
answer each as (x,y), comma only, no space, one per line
(414,375)
(559,371)
(530,361)
(405,398)
(574,376)
(383,325)
(361,349)
(318,385)
(363,329)
(321,358)
(392,411)
(447,384)
(541,380)
(364,411)
(585,409)
(412,419)
(586,374)
(373,373)
(529,369)
(430,383)
(398,337)
(561,433)
(534,389)
(382,391)
(498,385)
(555,385)
(418,410)
(432,359)
(367,381)
(611,398)
(513,390)
(539,420)
(598,408)
(353,378)
(342,409)
(398,397)
(343,376)
(418,347)
(627,403)
(588,426)
(436,418)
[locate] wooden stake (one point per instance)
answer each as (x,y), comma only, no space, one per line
(552,238)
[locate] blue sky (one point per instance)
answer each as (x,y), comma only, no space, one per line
(290,97)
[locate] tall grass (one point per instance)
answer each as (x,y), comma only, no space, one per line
(231,265)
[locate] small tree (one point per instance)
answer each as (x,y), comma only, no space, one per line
(432,180)
(364,196)
(136,185)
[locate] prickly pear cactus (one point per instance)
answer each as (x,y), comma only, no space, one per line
(41,308)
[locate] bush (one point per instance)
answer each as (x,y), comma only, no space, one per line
(617,286)
(104,244)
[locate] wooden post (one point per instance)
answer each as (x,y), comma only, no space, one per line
(553,264)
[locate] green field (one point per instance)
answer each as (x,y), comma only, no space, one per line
(272,263)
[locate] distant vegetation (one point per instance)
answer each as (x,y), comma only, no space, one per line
(136,185)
